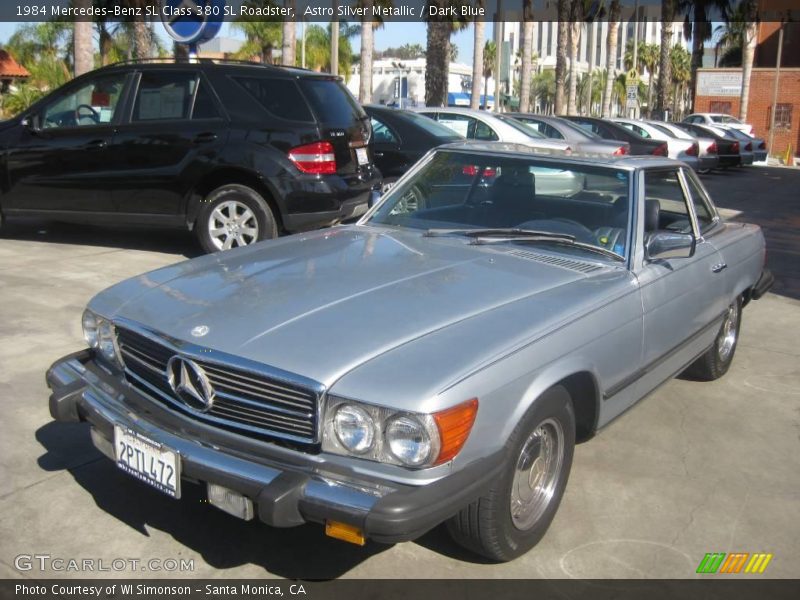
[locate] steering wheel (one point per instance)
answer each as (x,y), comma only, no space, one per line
(93,114)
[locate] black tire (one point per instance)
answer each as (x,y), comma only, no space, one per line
(226,198)
(487,526)
(716,361)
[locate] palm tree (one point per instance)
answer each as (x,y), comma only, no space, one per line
(611,52)
(648,55)
(261,37)
(561,55)
(83,61)
(367,48)
(477,61)
(527,56)
(681,67)
(575,27)
(699,30)
(544,88)
(489,59)
(741,29)
(288,37)
(664,77)
(438,54)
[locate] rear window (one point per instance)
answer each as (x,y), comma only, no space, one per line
(521,127)
(432,127)
(281,97)
(331,102)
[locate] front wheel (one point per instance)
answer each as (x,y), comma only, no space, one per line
(233,216)
(516,512)
(716,361)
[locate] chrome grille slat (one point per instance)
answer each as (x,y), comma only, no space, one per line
(245,401)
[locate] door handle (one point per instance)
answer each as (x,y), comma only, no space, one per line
(97,144)
(719,267)
(378,154)
(204,138)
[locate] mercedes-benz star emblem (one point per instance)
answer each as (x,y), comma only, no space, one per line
(190,383)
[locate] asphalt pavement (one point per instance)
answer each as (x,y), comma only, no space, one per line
(694,468)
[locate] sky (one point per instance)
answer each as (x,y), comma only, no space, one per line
(390,35)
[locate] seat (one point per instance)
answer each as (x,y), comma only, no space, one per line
(512,199)
(652,215)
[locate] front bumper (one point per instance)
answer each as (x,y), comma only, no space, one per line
(287,488)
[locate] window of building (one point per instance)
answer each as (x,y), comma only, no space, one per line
(783,116)
(720,106)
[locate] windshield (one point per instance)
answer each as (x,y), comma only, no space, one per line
(433,127)
(580,130)
(521,127)
(459,190)
(724,119)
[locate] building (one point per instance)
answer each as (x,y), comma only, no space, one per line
(11,72)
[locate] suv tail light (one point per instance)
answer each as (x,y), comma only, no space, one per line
(661,150)
(712,149)
(621,151)
(735,147)
(693,150)
(749,146)
(317,158)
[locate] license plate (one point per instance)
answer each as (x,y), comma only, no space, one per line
(362,156)
(148,461)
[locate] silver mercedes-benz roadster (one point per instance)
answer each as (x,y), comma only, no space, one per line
(437,361)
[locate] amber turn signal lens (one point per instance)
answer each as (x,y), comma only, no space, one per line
(345,532)
(454,426)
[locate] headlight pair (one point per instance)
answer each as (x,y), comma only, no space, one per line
(101,336)
(396,437)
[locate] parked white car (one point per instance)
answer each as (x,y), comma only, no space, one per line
(678,148)
(491,127)
(719,119)
(708,155)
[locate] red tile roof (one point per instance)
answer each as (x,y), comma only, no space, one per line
(11,68)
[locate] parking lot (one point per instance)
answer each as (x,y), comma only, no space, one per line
(694,468)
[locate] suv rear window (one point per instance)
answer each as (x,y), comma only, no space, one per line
(281,97)
(331,102)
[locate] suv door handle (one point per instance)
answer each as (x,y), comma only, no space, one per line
(204,138)
(97,145)
(719,267)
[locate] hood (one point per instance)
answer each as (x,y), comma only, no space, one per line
(322,303)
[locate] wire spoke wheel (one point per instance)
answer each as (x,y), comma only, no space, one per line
(536,474)
(231,225)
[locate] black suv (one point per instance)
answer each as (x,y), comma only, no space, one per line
(235,151)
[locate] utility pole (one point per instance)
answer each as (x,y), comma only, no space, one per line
(636,49)
(334,39)
(498,36)
(775,92)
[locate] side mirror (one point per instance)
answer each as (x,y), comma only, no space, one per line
(30,123)
(669,244)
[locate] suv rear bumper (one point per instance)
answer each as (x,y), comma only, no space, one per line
(283,495)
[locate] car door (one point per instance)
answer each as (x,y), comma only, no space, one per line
(175,129)
(60,162)
(682,298)
(389,158)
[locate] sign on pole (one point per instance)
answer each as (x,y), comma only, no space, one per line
(632,96)
(632,77)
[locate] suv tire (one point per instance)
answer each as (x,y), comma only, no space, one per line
(234,215)
(487,526)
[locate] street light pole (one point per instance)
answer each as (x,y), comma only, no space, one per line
(636,50)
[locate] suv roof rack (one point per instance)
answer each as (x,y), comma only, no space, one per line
(169,60)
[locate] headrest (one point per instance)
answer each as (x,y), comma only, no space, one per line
(652,212)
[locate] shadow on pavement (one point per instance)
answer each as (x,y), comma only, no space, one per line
(170,241)
(768,197)
(223,541)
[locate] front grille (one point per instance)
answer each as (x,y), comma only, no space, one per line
(245,400)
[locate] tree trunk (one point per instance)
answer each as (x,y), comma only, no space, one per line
(527,57)
(141,39)
(611,52)
(664,70)
(82,42)
(289,38)
(574,40)
(561,55)
(748,51)
(697,47)
(438,59)
(105,45)
(367,47)
(335,39)
(477,63)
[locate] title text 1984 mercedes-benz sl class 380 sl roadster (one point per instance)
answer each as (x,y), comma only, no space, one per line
(435,362)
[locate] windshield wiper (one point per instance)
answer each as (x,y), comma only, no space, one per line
(502,233)
(552,238)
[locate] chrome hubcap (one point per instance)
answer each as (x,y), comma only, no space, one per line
(232,224)
(730,330)
(536,474)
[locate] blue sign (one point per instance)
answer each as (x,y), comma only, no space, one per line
(192,21)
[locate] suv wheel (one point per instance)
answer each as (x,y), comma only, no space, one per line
(232,216)
(516,512)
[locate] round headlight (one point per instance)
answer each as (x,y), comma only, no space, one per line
(354,428)
(408,441)
(89,322)
(106,342)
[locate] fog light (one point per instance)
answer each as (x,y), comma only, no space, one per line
(345,532)
(231,502)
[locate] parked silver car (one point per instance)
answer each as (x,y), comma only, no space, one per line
(708,157)
(682,149)
(485,126)
(435,362)
(582,140)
